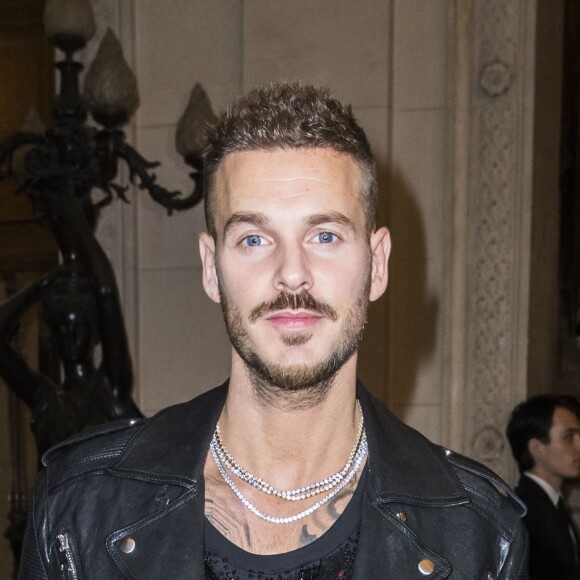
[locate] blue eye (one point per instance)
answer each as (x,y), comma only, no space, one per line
(253,241)
(326,238)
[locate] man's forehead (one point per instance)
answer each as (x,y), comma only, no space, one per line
(288,163)
(564,418)
(286,176)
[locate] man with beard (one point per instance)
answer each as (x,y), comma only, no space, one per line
(291,469)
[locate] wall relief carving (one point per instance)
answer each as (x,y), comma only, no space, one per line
(498,78)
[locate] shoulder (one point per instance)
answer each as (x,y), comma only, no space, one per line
(92,437)
(489,493)
(91,450)
(98,448)
(493,501)
(110,438)
(530,490)
(409,468)
(540,508)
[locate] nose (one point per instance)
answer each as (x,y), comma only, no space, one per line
(293,270)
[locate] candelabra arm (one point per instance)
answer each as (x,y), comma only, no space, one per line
(139,169)
(10,146)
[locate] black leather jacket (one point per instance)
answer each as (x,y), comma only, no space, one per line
(127,501)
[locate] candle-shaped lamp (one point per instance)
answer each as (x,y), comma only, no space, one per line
(192,127)
(69,24)
(110,88)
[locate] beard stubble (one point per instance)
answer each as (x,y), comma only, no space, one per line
(295,386)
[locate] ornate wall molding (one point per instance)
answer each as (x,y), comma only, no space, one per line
(492,78)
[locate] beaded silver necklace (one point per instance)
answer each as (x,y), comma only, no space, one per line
(333,484)
(297,494)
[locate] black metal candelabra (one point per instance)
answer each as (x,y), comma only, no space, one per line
(80,157)
(58,170)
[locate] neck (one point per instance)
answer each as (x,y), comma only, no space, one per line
(275,397)
(291,445)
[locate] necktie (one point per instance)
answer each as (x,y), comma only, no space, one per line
(567,518)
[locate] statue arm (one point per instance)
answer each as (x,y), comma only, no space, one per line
(26,383)
(15,306)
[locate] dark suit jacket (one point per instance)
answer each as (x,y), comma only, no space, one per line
(551,547)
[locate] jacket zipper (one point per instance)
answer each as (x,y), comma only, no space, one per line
(67,564)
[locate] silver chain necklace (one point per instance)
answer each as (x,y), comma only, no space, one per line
(299,493)
(334,483)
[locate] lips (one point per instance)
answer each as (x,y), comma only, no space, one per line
(293,320)
(294,305)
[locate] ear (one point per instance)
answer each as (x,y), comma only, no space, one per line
(380,251)
(536,449)
(209,275)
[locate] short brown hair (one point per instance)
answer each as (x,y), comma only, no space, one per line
(288,116)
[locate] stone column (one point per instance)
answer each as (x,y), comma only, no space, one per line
(491,82)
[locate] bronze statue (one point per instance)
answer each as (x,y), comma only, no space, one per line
(81,307)
(58,170)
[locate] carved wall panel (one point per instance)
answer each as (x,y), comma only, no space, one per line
(493,273)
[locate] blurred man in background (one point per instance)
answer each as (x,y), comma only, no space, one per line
(544,434)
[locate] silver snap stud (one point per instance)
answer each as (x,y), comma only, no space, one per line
(402,516)
(490,576)
(127,545)
(426,567)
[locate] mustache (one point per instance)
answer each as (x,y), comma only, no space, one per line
(286,301)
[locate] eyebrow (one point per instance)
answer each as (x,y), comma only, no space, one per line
(252,218)
(260,219)
(332,217)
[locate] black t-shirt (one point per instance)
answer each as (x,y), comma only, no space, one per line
(330,557)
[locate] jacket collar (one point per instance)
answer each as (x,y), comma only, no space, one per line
(403,465)
(172,446)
